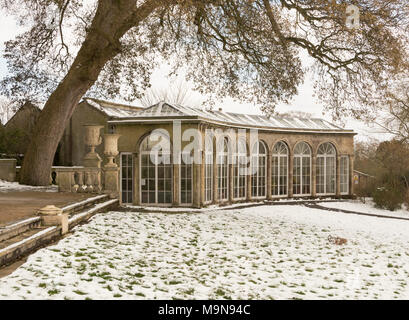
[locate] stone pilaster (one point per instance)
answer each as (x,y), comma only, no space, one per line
(230,183)
(269,169)
(215,176)
(111,181)
(338,177)
(196,185)
(176,185)
(136,179)
(351,175)
(290,174)
(202,180)
(314,176)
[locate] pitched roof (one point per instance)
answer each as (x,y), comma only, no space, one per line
(113,110)
(163,111)
(25,106)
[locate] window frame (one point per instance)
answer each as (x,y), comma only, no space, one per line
(279,157)
(302,157)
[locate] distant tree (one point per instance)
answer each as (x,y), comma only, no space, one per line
(393,176)
(365,156)
(296,114)
(393,158)
(178,92)
(395,119)
(10,140)
(246,49)
(7,109)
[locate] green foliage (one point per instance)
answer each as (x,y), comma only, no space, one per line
(10,143)
(367,189)
(393,159)
(388,162)
(390,198)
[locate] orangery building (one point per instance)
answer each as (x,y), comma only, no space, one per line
(171,155)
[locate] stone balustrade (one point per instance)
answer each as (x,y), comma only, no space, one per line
(77,179)
(91,177)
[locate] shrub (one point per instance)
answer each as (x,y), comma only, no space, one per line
(388,197)
(365,190)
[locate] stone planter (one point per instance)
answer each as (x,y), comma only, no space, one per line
(111,148)
(92,139)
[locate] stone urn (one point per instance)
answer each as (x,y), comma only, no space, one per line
(92,136)
(92,139)
(111,148)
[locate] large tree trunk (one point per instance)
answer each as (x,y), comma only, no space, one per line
(112,19)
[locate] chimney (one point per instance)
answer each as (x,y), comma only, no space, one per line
(220,109)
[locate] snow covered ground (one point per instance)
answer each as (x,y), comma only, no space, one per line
(267,252)
(367,207)
(6,186)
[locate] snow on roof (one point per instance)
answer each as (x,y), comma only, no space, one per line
(363,174)
(163,110)
(113,110)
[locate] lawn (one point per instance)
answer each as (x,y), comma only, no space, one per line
(267,252)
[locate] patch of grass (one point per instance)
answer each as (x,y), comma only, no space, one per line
(53,292)
(138,275)
(190,291)
(79,292)
(220,292)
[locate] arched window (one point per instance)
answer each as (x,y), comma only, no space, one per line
(279,170)
(208,169)
(326,169)
(223,170)
(302,169)
(156,170)
(258,170)
(239,170)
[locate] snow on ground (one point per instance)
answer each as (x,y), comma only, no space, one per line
(267,252)
(216,207)
(6,186)
(367,207)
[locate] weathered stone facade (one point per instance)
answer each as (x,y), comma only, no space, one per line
(287,158)
(89,111)
(21,125)
(133,131)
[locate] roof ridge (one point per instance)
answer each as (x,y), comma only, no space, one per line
(110,104)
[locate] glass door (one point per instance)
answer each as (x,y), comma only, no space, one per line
(126,177)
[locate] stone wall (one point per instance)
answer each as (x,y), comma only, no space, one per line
(72,147)
(8,169)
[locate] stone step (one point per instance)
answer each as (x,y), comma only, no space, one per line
(32,239)
(18,228)
(15,229)
(79,206)
(20,237)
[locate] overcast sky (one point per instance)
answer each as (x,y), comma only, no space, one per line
(304,101)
